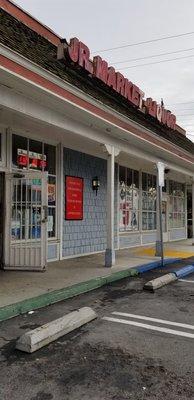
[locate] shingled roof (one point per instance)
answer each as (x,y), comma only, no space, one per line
(20,38)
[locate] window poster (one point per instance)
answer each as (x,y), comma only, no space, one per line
(74,198)
(129,205)
(122,195)
(51,193)
(50,223)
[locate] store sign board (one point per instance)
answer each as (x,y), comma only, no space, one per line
(79,53)
(73,198)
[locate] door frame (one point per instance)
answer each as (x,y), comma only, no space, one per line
(8,215)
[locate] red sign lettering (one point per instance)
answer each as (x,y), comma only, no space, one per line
(79,53)
(100,68)
(84,58)
(111,79)
(73,49)
(120,84)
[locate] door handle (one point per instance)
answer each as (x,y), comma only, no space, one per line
(45,219)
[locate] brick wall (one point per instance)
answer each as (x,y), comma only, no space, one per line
(89,235)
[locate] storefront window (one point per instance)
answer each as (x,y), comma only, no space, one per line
(129,199)
(148,201)
(51,206)
(35,155)
(19,152)
(26,209)
(0,146)
(50,154)
(176,204)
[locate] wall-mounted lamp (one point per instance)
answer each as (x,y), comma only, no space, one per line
(95,184)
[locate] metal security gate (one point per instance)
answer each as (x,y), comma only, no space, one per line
(2,220)
(26,221)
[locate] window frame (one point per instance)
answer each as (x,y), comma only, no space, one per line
(13,167)
(172,212)
(149,211)
(132,209)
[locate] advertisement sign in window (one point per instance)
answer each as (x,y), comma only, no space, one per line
(51,193)
(73,198)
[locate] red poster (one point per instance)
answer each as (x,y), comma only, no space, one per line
(73,198)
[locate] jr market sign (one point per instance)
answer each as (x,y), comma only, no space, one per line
(78,53)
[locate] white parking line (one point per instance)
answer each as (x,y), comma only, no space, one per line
(150,327)
(185,280)
(160,321)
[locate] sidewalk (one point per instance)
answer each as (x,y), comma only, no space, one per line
(16,286)
(21,291)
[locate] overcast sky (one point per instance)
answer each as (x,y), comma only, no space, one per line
(103,24)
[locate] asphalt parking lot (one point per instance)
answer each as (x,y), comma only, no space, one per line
(141,346)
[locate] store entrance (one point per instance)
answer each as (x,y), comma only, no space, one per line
(26,220)
(2,213)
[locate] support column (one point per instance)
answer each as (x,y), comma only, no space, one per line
(158,241)
(110,250)
(159,234)
(193,213)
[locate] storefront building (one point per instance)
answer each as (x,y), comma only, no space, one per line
(78,152)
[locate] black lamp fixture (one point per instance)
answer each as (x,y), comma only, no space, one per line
(95,184)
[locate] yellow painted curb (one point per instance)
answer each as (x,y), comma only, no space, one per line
(167,253)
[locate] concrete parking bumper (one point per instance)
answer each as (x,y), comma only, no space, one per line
(159,282)
(45,334)
(168,278)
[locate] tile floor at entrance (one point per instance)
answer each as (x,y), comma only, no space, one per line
(17,286)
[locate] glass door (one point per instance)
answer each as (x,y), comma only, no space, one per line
(26,220)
